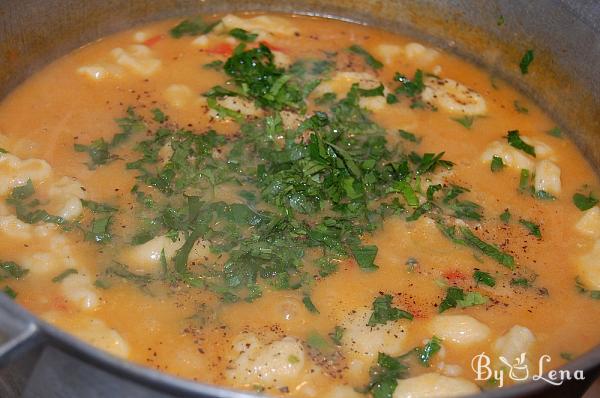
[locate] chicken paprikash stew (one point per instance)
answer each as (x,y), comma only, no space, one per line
(298,207)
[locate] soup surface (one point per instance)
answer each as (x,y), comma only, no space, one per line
(297,206)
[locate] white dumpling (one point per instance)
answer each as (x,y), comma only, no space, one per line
(589,223)
(363,341)
(178,95)
(12,227)
(201,41)
(341,83)
(261,24)
(542,150)
(547,177)
(15,172)
(452,96)
(65,196)
(93,331)
(517,341)
(78,289)
(138,59)
(270,365)
(145,258)
(419,54)
(431,385)
(511,156)
(459,329)
(388,52)
(241,105)
(589,268)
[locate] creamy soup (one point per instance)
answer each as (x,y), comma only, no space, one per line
(298,206)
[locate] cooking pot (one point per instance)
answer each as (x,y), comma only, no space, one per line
(39,360)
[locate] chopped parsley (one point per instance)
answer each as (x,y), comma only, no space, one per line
(520,108)
(310,306)
(497,164)
(526,61)
(10,292)
(158,115)
(337,335)
(465,121)
(567,356)
(543,195)
(505,216)
(365,256)
(10,269)
(408,136)
(368,58)
(383,311)
(456,297)
(488,249)
(257,77)
(98,207)
(214,65)
(514,139)
(100,230)
(427,352)
(384,376)
(521,282)
(524,180)
(582,289)
(533,228)
(410,87)
(60,277)
(23,191)
(243,35)
(555,132)
(192,27)
(99,150)
(584,202)
(484,278)
(317,342)
(391,99)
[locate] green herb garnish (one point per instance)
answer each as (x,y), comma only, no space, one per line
(369,59)
(383,311)
(192,27)
(427,352)
(533,228)
(514,139)
(243,35)
(505,216)
(456,297)
(60,277)
(310,306)
(497,164)
(484,278)
(465,121)
(526,61)
(520,108)
(584,202)
(384,376)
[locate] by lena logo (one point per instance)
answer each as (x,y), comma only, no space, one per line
(520,370)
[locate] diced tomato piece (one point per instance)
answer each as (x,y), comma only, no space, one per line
(152,41)
(222,49)
(59,303)
(454,275)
